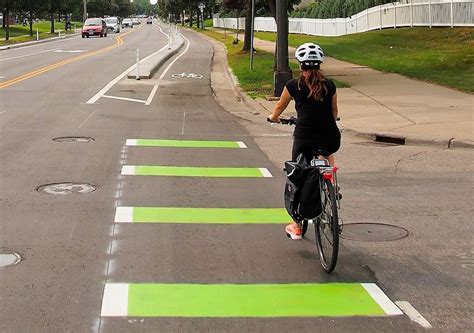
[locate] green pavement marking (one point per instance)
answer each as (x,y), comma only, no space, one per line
(201,215)
(186,143)
(257,300)
(195,171)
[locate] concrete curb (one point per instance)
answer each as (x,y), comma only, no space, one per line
(371,135)
(36,42)
(411,140)
(150,66)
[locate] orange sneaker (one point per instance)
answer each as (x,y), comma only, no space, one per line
(293,231)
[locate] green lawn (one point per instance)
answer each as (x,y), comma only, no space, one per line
(440,55)
(20,33)
(259,81)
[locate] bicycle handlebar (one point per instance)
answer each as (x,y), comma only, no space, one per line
(289,121)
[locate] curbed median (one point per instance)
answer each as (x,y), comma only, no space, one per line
(152,64)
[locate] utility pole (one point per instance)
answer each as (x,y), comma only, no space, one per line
(84,14)
(283,72)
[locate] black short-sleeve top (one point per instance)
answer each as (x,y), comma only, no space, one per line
(315,118)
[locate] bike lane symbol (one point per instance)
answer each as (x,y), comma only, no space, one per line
(187,75)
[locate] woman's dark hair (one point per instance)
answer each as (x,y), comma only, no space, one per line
(315,81)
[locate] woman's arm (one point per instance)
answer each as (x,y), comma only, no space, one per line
(334,106)
(281,105)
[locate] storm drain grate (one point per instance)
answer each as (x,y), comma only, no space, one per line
(73,139)
(373,232)
(66,188)
(9,258)
(389,139)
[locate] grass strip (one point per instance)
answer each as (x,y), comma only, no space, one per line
(439,55)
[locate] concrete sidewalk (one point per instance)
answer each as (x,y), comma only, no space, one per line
(391,105)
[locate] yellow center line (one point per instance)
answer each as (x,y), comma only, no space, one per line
(118,42)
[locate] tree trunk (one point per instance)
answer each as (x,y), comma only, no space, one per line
(4,20)
(272,5)
(31,22)
(7,16)
(248,27)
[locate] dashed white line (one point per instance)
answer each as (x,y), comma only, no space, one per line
(87,118)
(265,172)
(382,300)
(115,300)
(124,215)
(28,55)
(131,142)
(414,315)
(184,121)
(124,98)
(128,170)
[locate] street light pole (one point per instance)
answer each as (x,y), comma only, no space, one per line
(252,34)
(283,72)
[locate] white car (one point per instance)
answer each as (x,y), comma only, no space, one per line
(136,21)
(127,23)
(113,24)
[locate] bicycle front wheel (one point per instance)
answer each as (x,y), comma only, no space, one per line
(327,228)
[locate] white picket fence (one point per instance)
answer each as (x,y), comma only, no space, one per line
(410,13)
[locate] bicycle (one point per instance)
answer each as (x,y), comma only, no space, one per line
(327,227)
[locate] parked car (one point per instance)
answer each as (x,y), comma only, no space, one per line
(149,20)
(127,23)
(135,21)
(94,27)
(113,24)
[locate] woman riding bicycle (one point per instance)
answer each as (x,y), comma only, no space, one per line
(316,107)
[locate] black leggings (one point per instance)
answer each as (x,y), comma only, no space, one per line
(307,147)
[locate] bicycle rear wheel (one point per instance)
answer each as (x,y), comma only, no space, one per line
(327,228)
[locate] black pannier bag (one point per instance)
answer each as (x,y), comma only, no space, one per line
(302,196)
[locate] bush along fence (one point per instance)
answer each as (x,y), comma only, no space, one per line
(431,13)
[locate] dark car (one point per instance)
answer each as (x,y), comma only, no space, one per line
(94,27)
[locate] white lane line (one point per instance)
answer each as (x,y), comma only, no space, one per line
(155,88)
(414,315)
(184,120)
(124,215)
(128,170)
(71,51)
(124,98)
(265,172)
(382,300)
(87,118)
(115,300)
(241,144)
(131,142)
(109,85)
(28,55)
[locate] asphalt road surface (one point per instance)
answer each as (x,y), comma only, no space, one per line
(109,261)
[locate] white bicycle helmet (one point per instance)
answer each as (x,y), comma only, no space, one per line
(309,55)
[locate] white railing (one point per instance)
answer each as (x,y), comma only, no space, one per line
(408,13)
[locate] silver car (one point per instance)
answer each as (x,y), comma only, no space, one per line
(113,24)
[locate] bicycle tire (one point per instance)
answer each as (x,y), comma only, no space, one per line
(327,228)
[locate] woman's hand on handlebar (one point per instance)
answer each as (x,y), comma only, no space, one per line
(271,119)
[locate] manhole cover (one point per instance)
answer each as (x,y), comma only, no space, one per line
(373,232)
(73,139)
(9,259)
(66,188)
